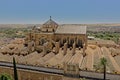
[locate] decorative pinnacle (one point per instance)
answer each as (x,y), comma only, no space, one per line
(50,17)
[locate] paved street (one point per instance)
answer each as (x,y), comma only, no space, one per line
(33,68)
(87,74)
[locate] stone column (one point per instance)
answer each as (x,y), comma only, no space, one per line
(36,43)
(31,46)
(62,41)
(69,41)
(86,41)
(84,54)
(65,48)
(57,47)
(44,49)
(74,47)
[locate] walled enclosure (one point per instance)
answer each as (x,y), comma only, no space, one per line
(31,75)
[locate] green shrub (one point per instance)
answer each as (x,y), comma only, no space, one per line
(5,77)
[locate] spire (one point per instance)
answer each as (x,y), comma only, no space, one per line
(50,17)
(50,21)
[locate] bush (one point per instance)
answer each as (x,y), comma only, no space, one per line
(5,77)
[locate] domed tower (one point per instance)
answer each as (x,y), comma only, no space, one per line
(49,26)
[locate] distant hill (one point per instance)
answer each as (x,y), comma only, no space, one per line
(16,25)
(103,28)
(100,27)
(90,27)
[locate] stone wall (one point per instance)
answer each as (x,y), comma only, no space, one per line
(74,37)
(31,75)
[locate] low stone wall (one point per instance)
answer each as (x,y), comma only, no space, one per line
(99,76)
(31,75)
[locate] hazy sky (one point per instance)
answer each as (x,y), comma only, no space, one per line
(62,11)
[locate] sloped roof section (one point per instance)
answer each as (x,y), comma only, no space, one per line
(71,29)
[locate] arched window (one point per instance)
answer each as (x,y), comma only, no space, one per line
(57,40)
(64,40)
(46,30)
(53,30)
(80,43)
(42,41)
(71,42)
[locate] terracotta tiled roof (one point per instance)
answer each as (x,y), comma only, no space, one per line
(72,29)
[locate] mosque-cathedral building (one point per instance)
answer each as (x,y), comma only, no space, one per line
(58,36)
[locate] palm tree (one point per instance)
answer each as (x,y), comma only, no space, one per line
(101,66)
(15,70)
(103,62)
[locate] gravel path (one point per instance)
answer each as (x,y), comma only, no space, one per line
(114,63)
(117,59)
(90,58)
(106,55)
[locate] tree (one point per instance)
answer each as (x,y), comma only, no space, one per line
(15,70)
(5,77)
(101,66)
(103,62)
(82,79)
